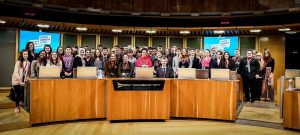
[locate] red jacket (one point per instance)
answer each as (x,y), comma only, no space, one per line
(143,61)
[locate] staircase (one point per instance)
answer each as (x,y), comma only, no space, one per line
(262,114)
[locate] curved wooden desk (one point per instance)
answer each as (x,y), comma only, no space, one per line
(291,109)
(211,99)
(66,99)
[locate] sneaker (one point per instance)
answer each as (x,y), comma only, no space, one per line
(21,103)
(17,110)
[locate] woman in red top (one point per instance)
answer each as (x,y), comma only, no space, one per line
(145,60)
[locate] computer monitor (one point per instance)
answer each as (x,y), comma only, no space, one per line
(49,72)
(144,72)
(222,74)
(87,72)
(202,73)
(186,73)
(292,73)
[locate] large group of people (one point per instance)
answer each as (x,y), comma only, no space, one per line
(255,70)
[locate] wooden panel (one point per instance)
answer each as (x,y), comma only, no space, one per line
(177,41)
(286,85)
(88,40)
(69,39)
(276,46)
(194,42)
(129,105)
(68,99)
(291,109)
(124,41)
(107,41)
(245,44)
(204,99)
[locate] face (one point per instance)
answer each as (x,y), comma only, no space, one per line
(213,50)
(60,50)
(226,56)
(105,51)
(167,52)
(159,55)
(98,53)
(249,54)
(125,58)
(42,54)
(144,53)
(184,51)
(258,56)
(174,48)
(266,53)
(192,52)
(154,52)
(88,53)
(150,52)
(93,52)
(31,46)
(54,55)
(113,57)
(99,47)
(25,55)
(117,50)
(219,55)
(164,62)
(178,52)
(68,51)
(237,52)
(47,49)
(81,52)
(207,53)
(159,49)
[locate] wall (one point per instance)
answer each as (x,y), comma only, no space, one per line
(276,45)
(7,55)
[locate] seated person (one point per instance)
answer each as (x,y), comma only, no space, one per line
(125,69)
(164,71)
(144,60)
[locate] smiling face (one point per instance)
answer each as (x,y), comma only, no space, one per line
(68,51)
(60,50)
(42,54)
(31,46)
(249,54)
(47,49)
(88,53)
(25,55)
(125,58)
(54,55)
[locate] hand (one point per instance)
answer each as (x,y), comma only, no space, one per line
(66,73)
(239,76)
(256,76)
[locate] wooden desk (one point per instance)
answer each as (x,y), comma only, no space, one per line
(66,99)
(286,85)
(138,104)
(291,109)
(211,99)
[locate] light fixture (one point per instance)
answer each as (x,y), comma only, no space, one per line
(150,31)
(284,29)
(255,30)
(184,32)
(2,21)
(81,28)
(116,30)
(43,25)
(291,32)
(219,31)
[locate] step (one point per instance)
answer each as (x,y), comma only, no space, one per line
(5,102)
(259,123)
(9,120)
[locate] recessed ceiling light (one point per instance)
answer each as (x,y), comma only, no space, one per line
(150,31)
(284,29)
(81,28)
(2,21)
(255,30)
(184,32)
(43,25)
(291,32)
(219,31)
(116,31)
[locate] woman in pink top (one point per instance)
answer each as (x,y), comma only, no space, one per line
(145,60)
(19,77)
(206,60)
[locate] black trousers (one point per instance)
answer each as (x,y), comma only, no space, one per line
(258,88)
(19,93)
(249,88)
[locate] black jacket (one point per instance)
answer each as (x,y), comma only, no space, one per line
(214,63)
(161,74)
(243,68)
(231,64)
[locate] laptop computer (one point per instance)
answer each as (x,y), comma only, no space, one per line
(86,72)
(292,73)
(220,74)
(49,72)
(202,73)
(186,73)
(144,72)
(297,82)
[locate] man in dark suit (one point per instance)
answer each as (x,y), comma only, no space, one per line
(194,61)
(248,70)
(216,63)
(164,71)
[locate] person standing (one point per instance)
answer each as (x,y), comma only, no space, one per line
(268,88)
(164,71)
(248,71)
(19,77)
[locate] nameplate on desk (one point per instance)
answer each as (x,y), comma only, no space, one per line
(138,85)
